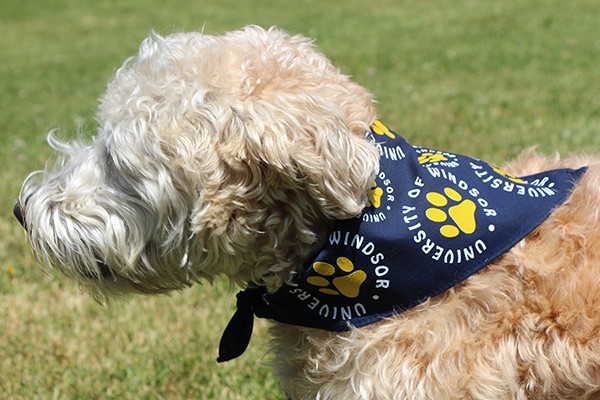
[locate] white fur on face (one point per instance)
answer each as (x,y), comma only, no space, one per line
(105,229)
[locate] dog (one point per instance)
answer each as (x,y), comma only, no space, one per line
(245,155)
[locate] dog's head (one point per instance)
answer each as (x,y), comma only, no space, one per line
(214,155)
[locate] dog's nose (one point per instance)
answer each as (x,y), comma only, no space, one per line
(18,212)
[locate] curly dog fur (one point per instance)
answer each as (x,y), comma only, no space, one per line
(233,155)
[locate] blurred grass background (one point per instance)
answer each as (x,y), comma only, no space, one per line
(487,78)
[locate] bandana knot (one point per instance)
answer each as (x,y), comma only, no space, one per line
(236,336)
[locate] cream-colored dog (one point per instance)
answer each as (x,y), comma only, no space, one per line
(236,155)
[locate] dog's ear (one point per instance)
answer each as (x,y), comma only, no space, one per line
(299,117)
(304,142)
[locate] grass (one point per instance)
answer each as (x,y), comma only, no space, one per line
(487,78)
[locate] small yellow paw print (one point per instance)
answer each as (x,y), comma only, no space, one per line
(509,176)
(347,285)
(425,158)
(375,196)
(381,129)
(462,214)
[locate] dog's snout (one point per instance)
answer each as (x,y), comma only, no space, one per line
(18,212)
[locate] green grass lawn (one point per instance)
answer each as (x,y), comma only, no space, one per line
(488,78)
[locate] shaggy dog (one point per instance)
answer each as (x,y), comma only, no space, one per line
(236,155)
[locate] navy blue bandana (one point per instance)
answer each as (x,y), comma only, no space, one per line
(433,219)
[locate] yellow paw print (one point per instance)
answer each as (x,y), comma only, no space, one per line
(381,129)
(347,285)
(375,196)
(509,176)
(462,213)
(425,158)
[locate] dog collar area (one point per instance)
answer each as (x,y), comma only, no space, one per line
(433,219)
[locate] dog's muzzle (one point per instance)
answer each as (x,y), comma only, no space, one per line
(104,270)
(18,212)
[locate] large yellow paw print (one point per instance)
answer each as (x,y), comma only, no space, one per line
(375,196)
(381,129)
(462,213)
(425,158)
(508,175)
(347,285)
